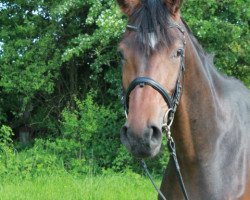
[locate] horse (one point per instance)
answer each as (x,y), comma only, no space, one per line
(170,82)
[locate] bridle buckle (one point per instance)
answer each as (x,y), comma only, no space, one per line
(168,121)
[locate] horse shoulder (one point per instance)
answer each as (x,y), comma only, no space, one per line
(233,142)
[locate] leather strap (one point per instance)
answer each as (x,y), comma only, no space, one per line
(172,150)
(147,81)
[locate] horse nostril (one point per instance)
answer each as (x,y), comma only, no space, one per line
(156,134)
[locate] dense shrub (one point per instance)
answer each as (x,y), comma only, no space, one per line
(89,134)
(28,162)
(6,149)
(6,134)
(89,142)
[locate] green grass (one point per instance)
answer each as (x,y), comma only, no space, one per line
(127,186)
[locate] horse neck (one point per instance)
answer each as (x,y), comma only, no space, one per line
(195,121)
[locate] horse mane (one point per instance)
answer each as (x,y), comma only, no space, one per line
(207,60)
(152,17)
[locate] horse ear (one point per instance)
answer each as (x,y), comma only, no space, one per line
(174,7)
(127,6)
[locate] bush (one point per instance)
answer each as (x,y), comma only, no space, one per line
(88,143)
(6,149)
(6,134)
(37,160)
(89,136)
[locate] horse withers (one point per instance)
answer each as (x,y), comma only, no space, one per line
(211,127)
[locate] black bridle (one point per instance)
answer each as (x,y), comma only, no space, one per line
(172,102)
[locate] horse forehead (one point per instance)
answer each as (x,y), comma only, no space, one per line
(153,40)
(129,41)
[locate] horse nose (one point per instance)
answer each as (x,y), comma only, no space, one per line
(142,143)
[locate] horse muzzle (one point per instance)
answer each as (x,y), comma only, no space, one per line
(142,144)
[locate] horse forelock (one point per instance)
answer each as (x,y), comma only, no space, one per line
(152,20)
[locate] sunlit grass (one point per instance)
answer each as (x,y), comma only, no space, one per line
(127,186)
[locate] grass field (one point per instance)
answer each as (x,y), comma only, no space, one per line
(129,186)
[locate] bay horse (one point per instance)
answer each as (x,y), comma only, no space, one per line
(211,127)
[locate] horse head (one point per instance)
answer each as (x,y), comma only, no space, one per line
(152,55)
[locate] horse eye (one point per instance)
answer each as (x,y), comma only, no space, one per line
(179,53)
(120,55)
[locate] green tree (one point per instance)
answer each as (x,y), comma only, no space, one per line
(30,56)
(54,51)
(222,27)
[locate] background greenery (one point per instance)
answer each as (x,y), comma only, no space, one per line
(60,79)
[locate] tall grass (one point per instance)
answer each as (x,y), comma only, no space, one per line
(111,186)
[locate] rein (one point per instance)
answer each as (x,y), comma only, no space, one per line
(172,101)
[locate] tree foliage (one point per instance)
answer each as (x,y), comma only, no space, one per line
(222,27)
(52,52)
